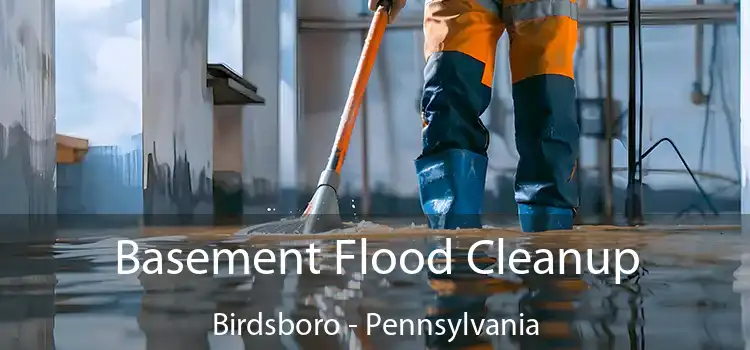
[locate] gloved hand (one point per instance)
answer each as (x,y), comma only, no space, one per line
(396,7)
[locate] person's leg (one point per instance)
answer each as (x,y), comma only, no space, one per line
(460,41)
(543,36)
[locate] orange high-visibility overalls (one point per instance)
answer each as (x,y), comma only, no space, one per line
(460,46)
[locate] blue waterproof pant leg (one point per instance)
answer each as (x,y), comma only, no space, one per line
(543,38)
(460,42)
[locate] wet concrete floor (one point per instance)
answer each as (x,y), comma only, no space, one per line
(686,294)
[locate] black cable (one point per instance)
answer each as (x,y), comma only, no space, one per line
(633,203)
(687,168)
(636,66)
(640,92)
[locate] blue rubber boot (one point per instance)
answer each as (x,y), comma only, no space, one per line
(547,141)
(537,218)
(451,188)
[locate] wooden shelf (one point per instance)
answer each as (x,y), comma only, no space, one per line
(230,88)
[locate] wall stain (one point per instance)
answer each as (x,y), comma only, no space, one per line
(169,196)
(104,190)
(27,193)
(177,114)
(27,122)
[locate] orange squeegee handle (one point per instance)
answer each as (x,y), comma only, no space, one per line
(357,89)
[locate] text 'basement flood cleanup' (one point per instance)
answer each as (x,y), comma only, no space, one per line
(438,261)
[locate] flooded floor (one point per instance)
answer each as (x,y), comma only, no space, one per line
(686,294)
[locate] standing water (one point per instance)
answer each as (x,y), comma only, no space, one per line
(69,295)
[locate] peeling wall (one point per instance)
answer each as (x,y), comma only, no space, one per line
(27,116)
(177,110)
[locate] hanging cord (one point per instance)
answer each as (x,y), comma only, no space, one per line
(633,200)
(707,98)
(687,168)
(636,29)
(641,155)
(716,76)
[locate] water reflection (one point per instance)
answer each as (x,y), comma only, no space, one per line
(27,297)
(685,300)
(176,310)
(553,300)
(461,297)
